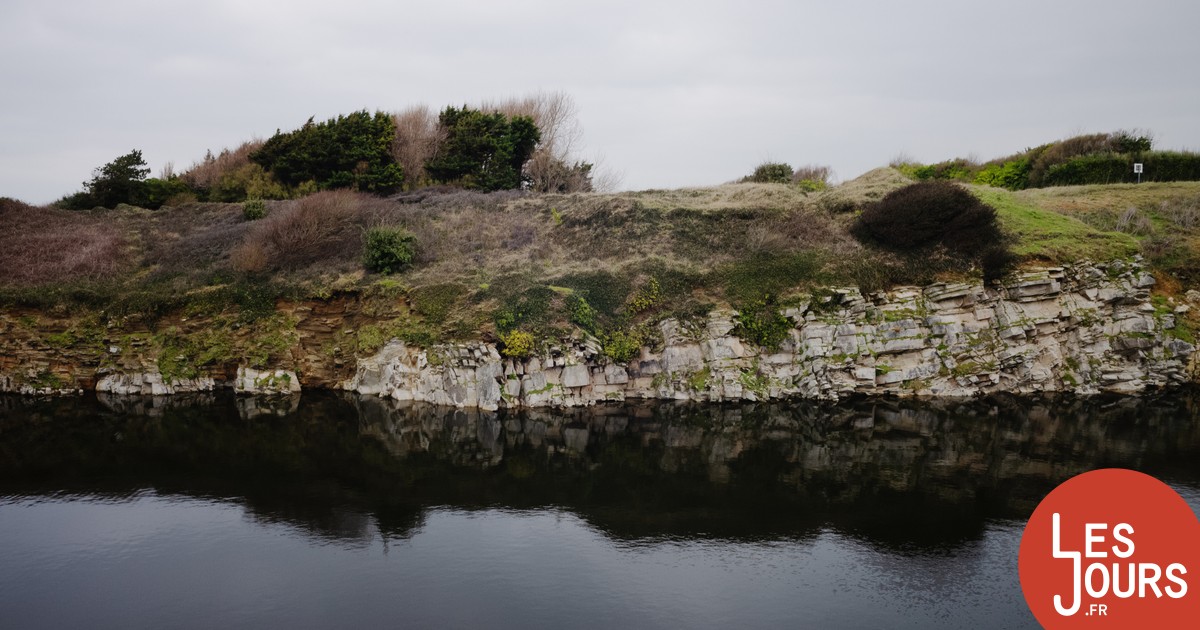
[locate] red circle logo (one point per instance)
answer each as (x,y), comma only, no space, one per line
(1112,548)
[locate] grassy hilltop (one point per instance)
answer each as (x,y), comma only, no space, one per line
(473,258)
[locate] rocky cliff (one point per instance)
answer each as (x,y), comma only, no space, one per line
(1084,329)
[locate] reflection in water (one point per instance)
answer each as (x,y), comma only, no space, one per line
(897,474)
(326,510)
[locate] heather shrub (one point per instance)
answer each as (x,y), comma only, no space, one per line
(929,214)
(997,262)
(321,227)
(388,249)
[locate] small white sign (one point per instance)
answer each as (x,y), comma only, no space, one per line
(1137,167)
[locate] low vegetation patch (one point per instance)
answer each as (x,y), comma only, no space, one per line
(388,250)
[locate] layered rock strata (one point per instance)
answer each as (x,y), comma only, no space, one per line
(1085,329)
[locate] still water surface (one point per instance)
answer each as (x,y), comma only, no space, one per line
(328,511)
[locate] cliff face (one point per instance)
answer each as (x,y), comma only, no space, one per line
(1084,329)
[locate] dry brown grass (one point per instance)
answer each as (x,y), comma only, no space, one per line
(862,191)
(812,173)
(208,172)
(322,228)
(417,139)
(42,245)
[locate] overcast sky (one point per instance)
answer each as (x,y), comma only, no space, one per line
(669,94)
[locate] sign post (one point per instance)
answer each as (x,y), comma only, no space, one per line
(1137,168)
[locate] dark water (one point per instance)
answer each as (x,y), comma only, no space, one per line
(332,511)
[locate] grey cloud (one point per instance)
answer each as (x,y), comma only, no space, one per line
(671,93)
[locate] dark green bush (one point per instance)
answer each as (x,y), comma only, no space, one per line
(760,322)
(352,151)
(929,214)
(1105,168)
(484,151)
(581,313)
(771,173)
(436,302)
(388,249)
(997,262)
(254,209)
(1111,168)
(157,192)
(933,226)
(120,181)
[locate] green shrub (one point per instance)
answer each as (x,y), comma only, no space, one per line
(1111,168)
(1012,174)
(581,313)
(352,151)
(1090,169)
(956,169)
(484,151)
(254,209)
(621,345)
(249,181)
(157,192)
(388,249)
(771,173)
(516,344)
(761,323)
(810,185)
(646,297)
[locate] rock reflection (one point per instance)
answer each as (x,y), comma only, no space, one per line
(348,468)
